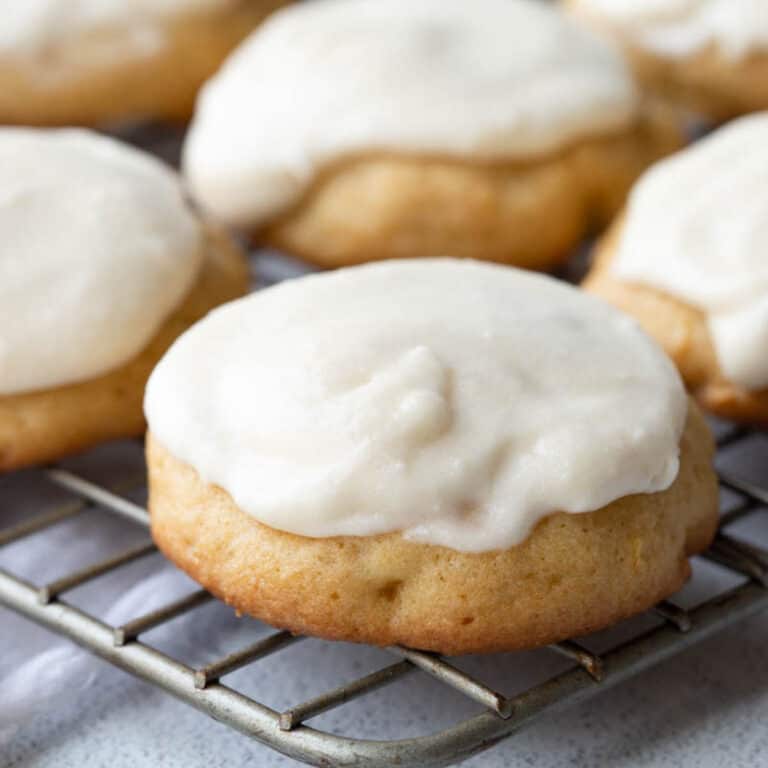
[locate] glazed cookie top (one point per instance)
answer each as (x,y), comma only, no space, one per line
(683,27)
(697,227)
(319,81)
(32,26)
(455,401)
(98,248)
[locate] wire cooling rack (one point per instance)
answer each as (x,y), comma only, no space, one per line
(286,730)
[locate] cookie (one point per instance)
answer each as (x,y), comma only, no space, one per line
(708,57)
(87,62)
(454,456)
(96,281)
(498,130)
(575,574)
(687,260)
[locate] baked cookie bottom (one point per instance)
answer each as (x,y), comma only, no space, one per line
(707,82)
(41,426)
(574,574)
(683,332)
(529,214)
(82,82)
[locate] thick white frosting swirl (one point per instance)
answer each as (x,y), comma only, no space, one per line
(504,79)
(30,27)
(97,248)
(697,227)
(455,401)
(682,27)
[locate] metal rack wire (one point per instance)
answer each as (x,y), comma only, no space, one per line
(286,731)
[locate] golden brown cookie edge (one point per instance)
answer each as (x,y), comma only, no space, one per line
(573,575)
(528,214)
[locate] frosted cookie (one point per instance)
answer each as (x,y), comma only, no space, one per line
(102,264)
(688,260)
(710,56)
(92,61)
(497,129)
(452,455)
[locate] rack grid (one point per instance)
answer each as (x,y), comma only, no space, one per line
(287,731)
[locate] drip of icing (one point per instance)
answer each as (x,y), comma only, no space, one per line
(454,401)
(697,227)
(682,27)
(509,79)
(98,248)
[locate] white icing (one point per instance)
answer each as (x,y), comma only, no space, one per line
(682,27)
(97,248)
(488,79)
(33,26)
(697,227)
(455,401)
